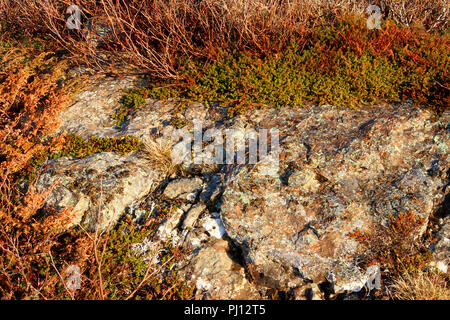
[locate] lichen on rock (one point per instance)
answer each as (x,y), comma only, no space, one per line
(98,188)
(341,170)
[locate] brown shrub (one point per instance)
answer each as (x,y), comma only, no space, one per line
(433,14)
(30,99)
(155,35)
(421,286)
(37,249)
(396,248)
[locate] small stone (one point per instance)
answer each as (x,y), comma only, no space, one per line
(441,249)
(168,229)
(185,189)
(214,227)
(374,277)
(211,190)
(192,215)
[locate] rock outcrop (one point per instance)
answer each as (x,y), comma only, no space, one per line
(98,188)
(441,250)
(339,171)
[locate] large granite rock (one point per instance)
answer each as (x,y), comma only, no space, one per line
(99,188)
(92,109)
(340,170)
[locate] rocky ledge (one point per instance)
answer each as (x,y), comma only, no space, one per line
(247,231)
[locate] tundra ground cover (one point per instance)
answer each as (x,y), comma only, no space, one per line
(232,53)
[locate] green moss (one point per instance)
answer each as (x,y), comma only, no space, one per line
(178,122)
(164,91)
(123,269)
(79,147)
(132,100)
(345,64)
(5,44)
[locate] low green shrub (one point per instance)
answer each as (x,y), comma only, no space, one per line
(344,64)
(76,146)
(132,100)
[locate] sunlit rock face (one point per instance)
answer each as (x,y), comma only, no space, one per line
(98,188)
(340,170)
(282,224)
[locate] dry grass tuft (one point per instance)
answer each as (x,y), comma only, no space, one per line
(422,286)
(159,155)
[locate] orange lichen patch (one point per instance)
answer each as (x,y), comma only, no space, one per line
(359,236)
(405,223)
(393,247)
(402,225)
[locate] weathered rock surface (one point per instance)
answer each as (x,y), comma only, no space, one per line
(217,275)
(192,215)
(99,188)
(340,170)
(93,108)
(185,189)
(441,250)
